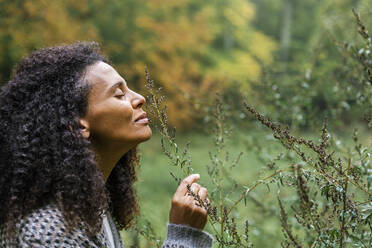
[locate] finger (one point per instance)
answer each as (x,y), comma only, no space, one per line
(195,188)
(182,188)
(203,193)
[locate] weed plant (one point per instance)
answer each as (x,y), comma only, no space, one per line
(220,206)
(332,182)
(337,87)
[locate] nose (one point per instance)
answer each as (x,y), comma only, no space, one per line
(138,100)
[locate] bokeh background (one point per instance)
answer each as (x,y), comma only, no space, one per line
(288,58)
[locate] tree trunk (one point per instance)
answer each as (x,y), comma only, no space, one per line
(285,36)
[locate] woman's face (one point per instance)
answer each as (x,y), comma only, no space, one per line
(115,115)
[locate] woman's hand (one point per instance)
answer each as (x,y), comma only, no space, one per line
(185,209)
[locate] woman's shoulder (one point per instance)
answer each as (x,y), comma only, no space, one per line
(45,227)
(45,223)
(40,218)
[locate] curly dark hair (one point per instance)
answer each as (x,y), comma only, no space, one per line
(43,156)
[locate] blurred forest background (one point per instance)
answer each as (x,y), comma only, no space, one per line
(283,54)
(288,58)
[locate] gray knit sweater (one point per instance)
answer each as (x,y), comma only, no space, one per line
(45,227)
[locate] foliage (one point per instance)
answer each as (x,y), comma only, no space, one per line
(333,218)
(323,79)
(192,46)
(225,227)
(332,183)
(29,25)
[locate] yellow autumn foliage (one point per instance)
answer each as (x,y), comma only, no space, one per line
(191,47)
(34,24)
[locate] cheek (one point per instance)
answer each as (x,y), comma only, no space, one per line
(124,113)
(110,120)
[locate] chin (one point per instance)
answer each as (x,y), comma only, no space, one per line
(146,135)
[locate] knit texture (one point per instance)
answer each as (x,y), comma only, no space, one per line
(181,236)
(45,227)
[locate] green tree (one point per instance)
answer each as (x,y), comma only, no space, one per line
(189,46)
(29,25)
(312,81)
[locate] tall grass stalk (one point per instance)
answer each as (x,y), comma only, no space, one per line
(333,183)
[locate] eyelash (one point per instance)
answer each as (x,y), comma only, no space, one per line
(120,93)
(120,96)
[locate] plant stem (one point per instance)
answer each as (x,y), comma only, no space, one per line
(221,203)
(252,188)
(342,228)
(327,176)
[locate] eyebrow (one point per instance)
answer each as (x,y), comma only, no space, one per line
(116,85)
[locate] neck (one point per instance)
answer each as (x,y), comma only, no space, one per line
(107,157)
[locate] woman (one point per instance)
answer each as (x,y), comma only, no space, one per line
(69,127)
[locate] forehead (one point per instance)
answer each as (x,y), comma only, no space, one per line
(102,75)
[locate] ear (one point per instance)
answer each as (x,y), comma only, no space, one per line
(84,128)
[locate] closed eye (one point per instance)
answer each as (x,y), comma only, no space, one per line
(119,93)
(120,96)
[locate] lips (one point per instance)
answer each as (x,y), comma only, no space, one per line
(142,119)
